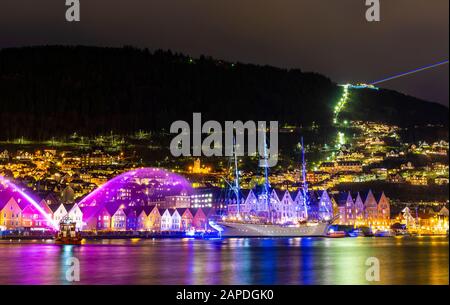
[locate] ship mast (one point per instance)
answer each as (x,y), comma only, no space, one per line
(304,183)
(266,180)
(236,179)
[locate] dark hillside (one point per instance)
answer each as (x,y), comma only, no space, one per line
(55,91)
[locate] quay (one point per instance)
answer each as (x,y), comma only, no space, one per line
(111,235)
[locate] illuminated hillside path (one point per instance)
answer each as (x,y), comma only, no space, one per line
(346,97)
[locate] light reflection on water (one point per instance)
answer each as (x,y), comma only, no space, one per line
(229,261)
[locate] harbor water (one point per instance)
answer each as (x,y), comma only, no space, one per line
(402,260)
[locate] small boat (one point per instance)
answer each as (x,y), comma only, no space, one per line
(356,233)
(401,233)
(67,234)
(384,233)
(336,234)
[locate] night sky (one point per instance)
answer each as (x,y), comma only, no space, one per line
(331,37)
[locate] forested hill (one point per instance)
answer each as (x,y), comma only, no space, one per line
(396,108)
(55,91)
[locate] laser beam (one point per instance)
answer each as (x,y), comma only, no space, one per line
(410,72)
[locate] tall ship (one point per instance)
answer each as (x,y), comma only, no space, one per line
(259,215)
(246,229)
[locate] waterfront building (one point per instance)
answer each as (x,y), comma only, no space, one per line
(384,212)
(10,215)
(176,220)
(370,207)
(248,203)
(154,218)
(299,203)
(181,200)
(103,219)
(363,210)
(142,222)
(346,208)
(286,211)
(118,217)
(76,215)
(200,220)
(350,210)
(313,207)
(131,215)
(166,220)
(32,218)
(325,206)
(335,206)
(202,198)
(89,217)
(60,211)
(186,219)
(359,214)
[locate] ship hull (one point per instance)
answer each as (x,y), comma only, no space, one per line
(231,229)
(68,241)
